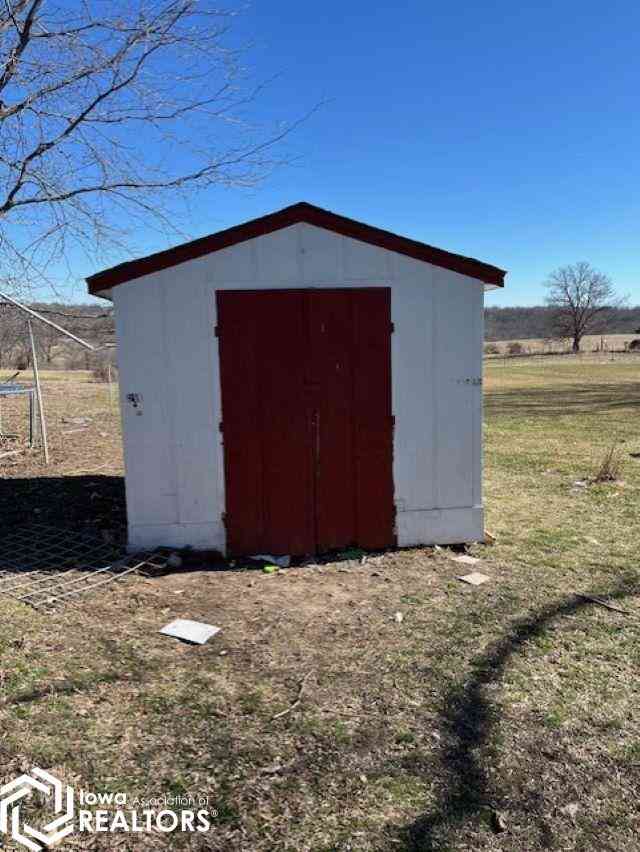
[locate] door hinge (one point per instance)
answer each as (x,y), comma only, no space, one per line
(223,517)
(393,423)
(216,330)
(392,328)
(221,426)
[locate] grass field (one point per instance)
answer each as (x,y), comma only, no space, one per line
(504,717)
(590,343)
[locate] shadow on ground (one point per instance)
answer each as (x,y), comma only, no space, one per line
(469,722)
(78,502)
(570,399)
(68,508)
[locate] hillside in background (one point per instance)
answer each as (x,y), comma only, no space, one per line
(525,323)
(92,323)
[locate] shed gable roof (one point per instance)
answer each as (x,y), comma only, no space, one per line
(301,212)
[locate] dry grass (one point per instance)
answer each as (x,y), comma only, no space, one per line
(83,423)
(73,376)
(610,468)
(516,696)
(590,343)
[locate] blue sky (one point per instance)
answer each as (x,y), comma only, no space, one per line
(507,132)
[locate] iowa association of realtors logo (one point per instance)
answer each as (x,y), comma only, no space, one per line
(162,814)
(12,797)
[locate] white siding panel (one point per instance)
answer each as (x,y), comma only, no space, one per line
(321,255)
(278,258)
(440,526)
(477,352)
(454,396)
(412,366)
(237,263)
(198,536)
(364,262)
(191,351)
(149,461)
(151,496)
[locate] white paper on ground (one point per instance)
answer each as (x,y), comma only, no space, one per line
(191,631)
(466,559)
(474,579)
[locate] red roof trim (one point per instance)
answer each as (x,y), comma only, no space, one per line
(302,212)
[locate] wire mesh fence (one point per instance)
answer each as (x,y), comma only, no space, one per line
(48,567)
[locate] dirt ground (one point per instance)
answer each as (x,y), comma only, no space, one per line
(371,702)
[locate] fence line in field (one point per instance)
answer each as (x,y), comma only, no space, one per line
(601,355)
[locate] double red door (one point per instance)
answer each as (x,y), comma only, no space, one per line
(306,419)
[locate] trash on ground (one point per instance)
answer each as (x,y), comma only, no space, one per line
(399,617)
(77,421)
(352,553)
(190,631)
(489,538)
(280,561)
(602,602)
(474,579)
(270,569)
(466,559)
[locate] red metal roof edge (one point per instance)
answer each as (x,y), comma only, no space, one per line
(301,212)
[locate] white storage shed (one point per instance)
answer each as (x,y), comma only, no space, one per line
(300,383)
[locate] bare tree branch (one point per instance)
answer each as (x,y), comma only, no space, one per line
(106,119)
(24,34)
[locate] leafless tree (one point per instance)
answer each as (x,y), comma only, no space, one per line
(9,334)
(582,300)
(109,109)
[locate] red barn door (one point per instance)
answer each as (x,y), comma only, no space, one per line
(307,425)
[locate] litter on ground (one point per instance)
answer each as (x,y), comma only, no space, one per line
(474,579)
(195,632)
(280,561)
(466,559)
(602,602)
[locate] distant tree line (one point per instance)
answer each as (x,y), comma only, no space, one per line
(538,322)
(92,323)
